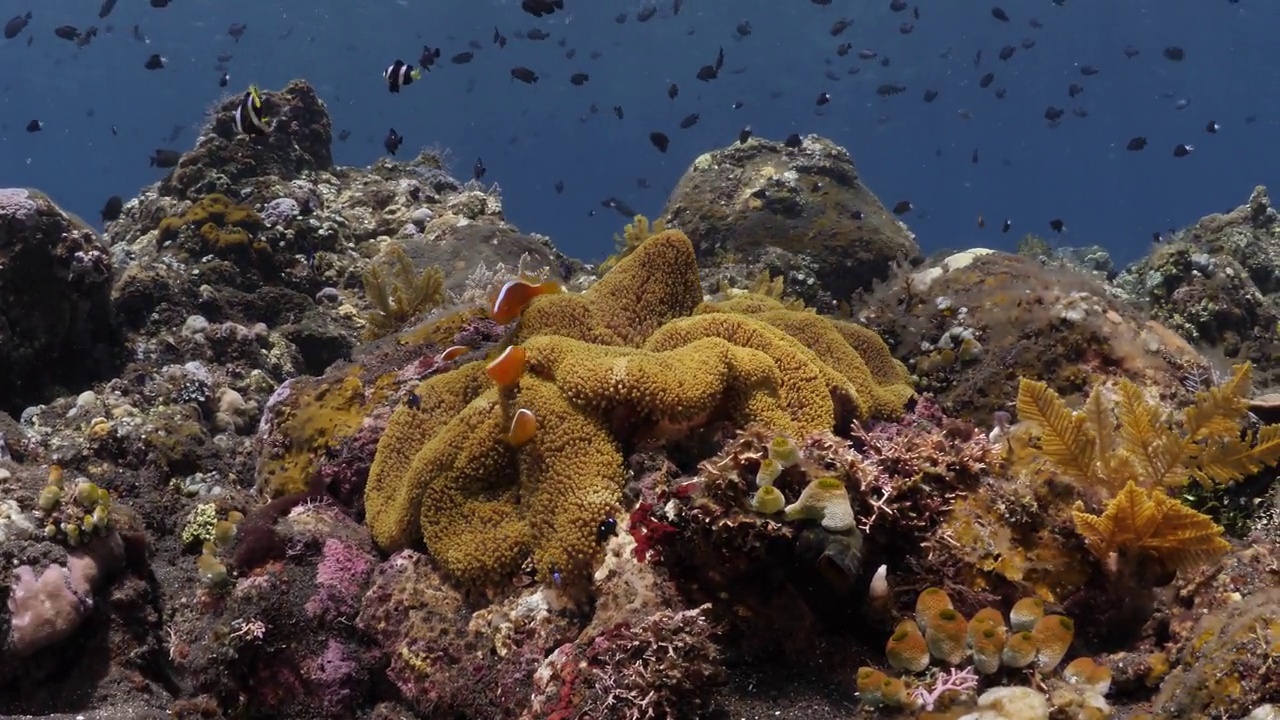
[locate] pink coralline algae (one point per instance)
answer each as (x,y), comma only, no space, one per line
(340,579)
(334,675)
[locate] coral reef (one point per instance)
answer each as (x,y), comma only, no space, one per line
(657,490)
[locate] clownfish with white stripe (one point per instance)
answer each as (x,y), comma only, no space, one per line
(399,74)
(248,115)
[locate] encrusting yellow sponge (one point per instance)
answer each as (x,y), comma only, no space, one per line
(827,501)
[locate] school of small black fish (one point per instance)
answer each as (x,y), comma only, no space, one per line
(399,74)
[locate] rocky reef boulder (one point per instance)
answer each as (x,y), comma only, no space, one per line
(300,140)
(56,329)
(1218,284)
(802,212)
(971,323)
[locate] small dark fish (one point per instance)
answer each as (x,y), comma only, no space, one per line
(1005,227)
(1080,112)
(906,28)
(737,104)
(537,34)
(1212,128)
(793,141)
(559,187)
(236,30)
(1007,52)
(1057,225)
(579,78)
(1000,93)
(673,90)
(499,39)
(111,210)
(823,99)
(35,126)
(67,32)
(538,8)
(617,111)
(744,28)
(986,80)
(845,48)
(620,18)
(224,79)
(902,207)
(1054,114)
(897,5)
(675,6)
(475,45)
(155,62)
(977,58)
(428,57)
(1027,43)
(16,25)
(225,57)
(856,214)
(462,58)
(478,170)
(393,141)
(999,14)
(840,26)
(1174,53)
(646,13)
(162,158)
(524,75)
(1131,52)
(707,73)
(974,158)
(343,135)
(400,74)
(1156,237)
(107,7)
(660,141)
(744,135)
(138,35)
(1135,144)
(930,95)
(890,89)
(1074,89)
(642,183)
(1035,23)
(1088,70)
(1181,150)
(159,3)
(570,53)
(607,529)
(689,121)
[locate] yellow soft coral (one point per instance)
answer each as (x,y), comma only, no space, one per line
(621,362)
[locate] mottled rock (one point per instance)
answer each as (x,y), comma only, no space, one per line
(299,140)
(970,324)
(56,327)
(1217,284)
(803,212)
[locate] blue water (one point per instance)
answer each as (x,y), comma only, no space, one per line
(530,136)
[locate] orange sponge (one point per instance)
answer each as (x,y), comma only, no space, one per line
(1053,635)
(906,649)
(947,636)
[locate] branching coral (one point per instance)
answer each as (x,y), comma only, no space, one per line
(396,292)
(1130,451)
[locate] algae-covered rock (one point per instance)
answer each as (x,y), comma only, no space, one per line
(1217,284)
(800,211)
(57,332)
(970,324)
